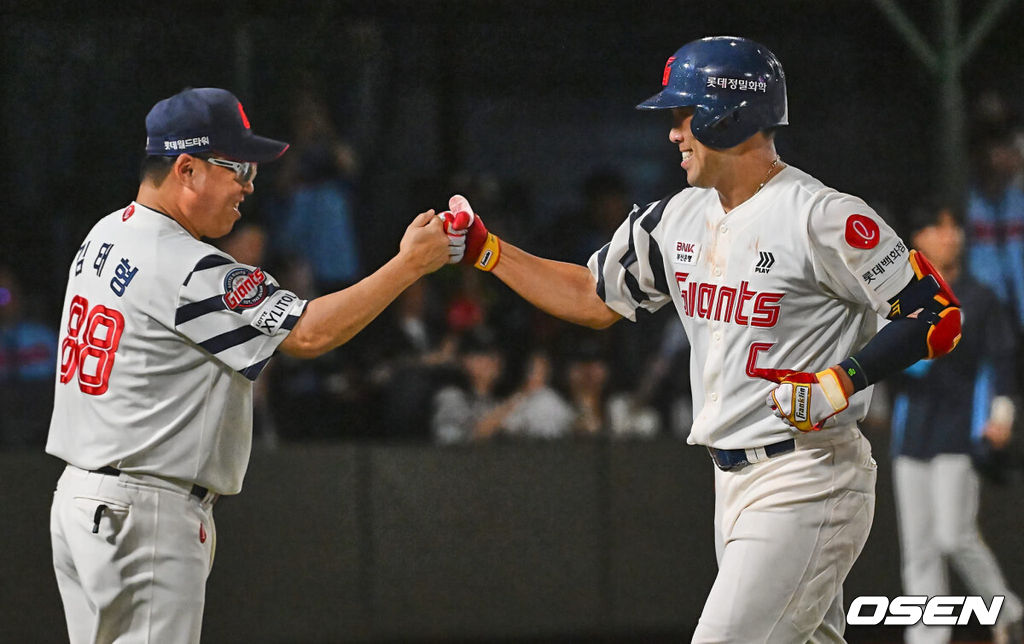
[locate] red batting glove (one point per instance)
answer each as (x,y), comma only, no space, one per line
(805,400)
(483,249)
(456,237)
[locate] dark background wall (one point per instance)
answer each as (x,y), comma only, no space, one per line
(536,93)
(555,542)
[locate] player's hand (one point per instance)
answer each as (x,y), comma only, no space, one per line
(998,434)
(805,400)
(424,245)
(483,249)
(456,237)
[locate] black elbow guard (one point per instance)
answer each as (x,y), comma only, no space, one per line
(930,299)
(925,324)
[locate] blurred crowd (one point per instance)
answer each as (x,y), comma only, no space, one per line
(459,358)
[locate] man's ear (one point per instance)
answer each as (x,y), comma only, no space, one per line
(184,169)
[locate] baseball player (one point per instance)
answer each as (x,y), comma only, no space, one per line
(162,336)
(943,413)
(774,276)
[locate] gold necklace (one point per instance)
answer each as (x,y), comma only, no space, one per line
(768,175)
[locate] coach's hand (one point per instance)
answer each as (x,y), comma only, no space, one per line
(482,248)
(424,245)
(805,400)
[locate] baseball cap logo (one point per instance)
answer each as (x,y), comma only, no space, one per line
(245,119)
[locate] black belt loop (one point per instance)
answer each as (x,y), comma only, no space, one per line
(729,460)
(197,491)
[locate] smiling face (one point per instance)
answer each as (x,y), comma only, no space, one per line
(703,165)
(213,197)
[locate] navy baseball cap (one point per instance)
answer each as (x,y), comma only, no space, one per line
(206,119)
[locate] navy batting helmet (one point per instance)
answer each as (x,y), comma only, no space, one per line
(736,87)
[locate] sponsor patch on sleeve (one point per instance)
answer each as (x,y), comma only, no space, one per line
(862,232)
(274,312)
(244,288)
(874,275)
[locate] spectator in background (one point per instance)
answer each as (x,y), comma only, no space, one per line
(944,412)
(995,219)
(413,356)
(317,219)
(28,356)
(536,410)
(314,234)
(599,409)
(459,412)
(668,369)
(586,373)
(474,411)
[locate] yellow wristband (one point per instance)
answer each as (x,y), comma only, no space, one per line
(490,254)
(833,389)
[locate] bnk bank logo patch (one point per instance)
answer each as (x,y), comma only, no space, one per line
(244,288)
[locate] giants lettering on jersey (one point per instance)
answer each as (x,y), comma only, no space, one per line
(726,303)
(245,288)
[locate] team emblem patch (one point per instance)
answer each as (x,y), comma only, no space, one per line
(862,232)
(244,288)
(128,212)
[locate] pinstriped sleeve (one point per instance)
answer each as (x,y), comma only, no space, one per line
(237,313)
(630,269)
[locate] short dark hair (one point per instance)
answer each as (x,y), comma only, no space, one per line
(155,168)
(927,213)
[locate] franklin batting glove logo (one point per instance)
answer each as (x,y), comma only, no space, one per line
(801,394)
(940,610)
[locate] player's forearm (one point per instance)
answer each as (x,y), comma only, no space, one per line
(333,319)
(564,290)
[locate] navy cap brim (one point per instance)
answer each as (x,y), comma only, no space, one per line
(664,100)
(253,148)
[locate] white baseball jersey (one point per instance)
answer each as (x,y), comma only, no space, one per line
(796,277)
(161,338)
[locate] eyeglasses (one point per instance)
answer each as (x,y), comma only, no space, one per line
(245,171)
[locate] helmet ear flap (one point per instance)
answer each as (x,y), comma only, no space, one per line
(719,128)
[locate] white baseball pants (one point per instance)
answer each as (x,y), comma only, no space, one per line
(937,504)
(133,571)
(787,531)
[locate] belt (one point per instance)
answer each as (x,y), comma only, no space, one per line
(736,459)
(197,491)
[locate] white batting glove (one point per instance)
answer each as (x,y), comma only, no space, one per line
(456,237)
(805,400)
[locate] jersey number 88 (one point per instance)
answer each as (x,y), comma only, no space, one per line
(89,346)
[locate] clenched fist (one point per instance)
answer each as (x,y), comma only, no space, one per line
(425,244)
(805,400)
(467,232)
